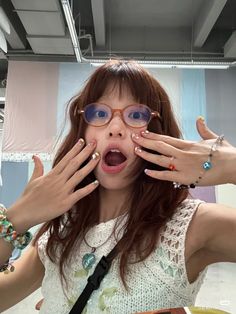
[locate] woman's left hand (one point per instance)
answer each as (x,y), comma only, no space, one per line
(39,304)
(184,160)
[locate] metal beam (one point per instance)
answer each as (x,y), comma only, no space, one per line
(207,17)
(99,22)
(230,46)
(16,38)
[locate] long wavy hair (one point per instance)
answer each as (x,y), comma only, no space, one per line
(152,202)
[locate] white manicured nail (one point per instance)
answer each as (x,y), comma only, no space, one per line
(138,149)
(95,155)
(136,136)
(81,141)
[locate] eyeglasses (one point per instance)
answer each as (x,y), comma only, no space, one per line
(135,116)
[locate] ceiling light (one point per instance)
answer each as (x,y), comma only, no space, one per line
(71,25)
(3,42)
(173,65)
(203,66)
(4,27)
(146,65)
(4,23)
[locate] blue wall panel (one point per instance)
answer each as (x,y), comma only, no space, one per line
(14,179)
(193,101)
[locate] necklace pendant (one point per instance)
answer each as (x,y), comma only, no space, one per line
(88,261)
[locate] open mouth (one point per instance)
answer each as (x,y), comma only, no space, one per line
(114,157)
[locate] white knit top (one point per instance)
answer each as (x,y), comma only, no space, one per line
(158,282)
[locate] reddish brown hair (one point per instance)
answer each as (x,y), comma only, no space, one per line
(153,202)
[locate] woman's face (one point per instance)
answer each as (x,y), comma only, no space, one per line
(114,136)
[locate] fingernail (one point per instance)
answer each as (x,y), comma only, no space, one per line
(136,136)
(146,132)
(96,182)
(138,149)
(81,141)
(95,155)
(201,118)
(92,143)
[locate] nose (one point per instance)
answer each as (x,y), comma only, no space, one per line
(116,127)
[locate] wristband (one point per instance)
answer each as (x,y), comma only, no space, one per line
(7,232)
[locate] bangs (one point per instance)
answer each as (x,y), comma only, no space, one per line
(123,75)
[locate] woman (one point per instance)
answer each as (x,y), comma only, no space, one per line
(90,204)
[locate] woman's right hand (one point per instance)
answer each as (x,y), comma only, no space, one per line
(49,196)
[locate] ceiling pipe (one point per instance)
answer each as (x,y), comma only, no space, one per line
(89,37)
(171,64)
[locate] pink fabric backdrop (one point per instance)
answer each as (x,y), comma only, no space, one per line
(30,124)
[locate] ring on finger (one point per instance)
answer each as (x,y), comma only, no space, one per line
(171,166)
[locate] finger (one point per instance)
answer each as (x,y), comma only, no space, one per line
(39,304)
(71,154)
(79,175)
(158,146)
(204,131)
(160,160)
(81,193)
(75,163)
(38,168)
(163,175)
(176,142)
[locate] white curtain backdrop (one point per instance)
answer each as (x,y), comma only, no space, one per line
(30,110)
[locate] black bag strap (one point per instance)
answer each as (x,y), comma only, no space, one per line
(94,281)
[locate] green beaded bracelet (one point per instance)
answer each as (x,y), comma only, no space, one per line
(7,232)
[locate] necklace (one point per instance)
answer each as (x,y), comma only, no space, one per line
(89,259)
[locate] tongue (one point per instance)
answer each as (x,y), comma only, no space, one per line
(114,158)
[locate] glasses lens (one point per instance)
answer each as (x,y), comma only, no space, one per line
(137,115)
(97,114)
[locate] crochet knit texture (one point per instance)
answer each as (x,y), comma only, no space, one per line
(160,281)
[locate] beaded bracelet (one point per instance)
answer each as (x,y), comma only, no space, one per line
(8,266)
(7,232)
(207,165)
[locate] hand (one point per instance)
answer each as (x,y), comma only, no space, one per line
(50,196)
(39,304)
(188,157)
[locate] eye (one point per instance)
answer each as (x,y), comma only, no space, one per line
(95,112)
(138,115)
(99,114)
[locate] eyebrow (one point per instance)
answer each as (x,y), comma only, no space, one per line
(105,103)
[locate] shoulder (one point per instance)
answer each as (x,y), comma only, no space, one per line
(177,227)
(41,245)
(49,250)
(210,222)
(185,212)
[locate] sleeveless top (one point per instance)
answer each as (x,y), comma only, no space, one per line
(160,281)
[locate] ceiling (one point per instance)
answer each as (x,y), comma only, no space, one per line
(169,30)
